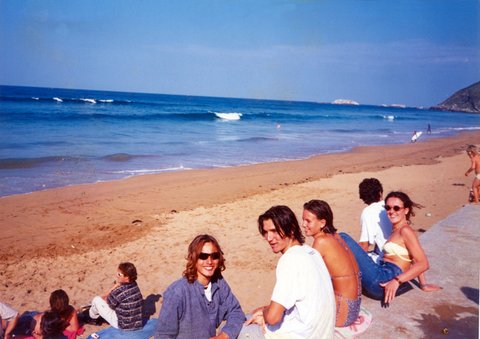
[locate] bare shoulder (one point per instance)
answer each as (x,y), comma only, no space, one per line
(408,234)
(324,243)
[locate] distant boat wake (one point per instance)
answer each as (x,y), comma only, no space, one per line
(228,116)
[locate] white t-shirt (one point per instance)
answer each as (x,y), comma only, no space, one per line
(305,289)
(376,227)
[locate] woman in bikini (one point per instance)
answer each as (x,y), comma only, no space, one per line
(404,258)
(318,222)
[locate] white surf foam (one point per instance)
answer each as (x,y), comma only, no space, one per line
(229,116)
(57,99)
(106,100)
(152,171)
(92,101)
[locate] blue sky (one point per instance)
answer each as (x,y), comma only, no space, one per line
(414,52)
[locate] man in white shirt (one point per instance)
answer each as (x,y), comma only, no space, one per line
(376,227)
(302,303)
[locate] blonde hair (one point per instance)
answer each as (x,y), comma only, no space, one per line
(472,149)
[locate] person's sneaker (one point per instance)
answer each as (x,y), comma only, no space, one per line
(84,317)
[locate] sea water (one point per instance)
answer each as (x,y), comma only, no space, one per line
(57,137)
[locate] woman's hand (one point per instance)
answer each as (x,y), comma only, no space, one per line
(430,287)
(390,288)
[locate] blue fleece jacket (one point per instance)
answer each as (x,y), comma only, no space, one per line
(186,313)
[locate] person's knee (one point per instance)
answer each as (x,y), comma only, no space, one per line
(97,300)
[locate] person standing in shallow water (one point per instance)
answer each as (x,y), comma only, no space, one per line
(195,305)
(317,220)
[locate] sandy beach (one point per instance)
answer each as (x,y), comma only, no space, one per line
(74,237)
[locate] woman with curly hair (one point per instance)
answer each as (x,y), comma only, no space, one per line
(195,305)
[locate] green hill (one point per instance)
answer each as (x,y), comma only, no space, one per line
(465,100)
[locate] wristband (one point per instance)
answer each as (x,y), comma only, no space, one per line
(398,280)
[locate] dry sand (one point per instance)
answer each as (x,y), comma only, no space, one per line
(74,237)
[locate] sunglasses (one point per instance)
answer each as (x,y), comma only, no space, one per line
(205,256)
(395,208)
(120,274)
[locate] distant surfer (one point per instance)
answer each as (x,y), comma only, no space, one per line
(429,129)
(414,136)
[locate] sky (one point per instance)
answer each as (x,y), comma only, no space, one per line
(413,52)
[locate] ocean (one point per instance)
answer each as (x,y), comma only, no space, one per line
(54,137)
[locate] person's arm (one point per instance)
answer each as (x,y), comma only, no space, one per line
(367,238)
(115,285)
(271,315)
(37,331)
(422,281)
(168,324)
(419,264)
(472,167)
(74,325)
(10,326)
(232,312)
(364,245)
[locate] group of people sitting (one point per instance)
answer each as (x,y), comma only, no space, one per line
(60,321)
(317,287)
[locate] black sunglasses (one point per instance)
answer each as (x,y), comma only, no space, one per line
(205,256)
(395,208)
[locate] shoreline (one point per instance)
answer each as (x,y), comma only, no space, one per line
(72,210)
(74,237)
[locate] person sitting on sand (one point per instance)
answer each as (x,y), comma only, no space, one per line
(302,303)
(341,264)
(9,318)
(60,305)
(374,222)
(404,258)
(51,326)
(376,227)
(122,306)
(475,166)
(195,305)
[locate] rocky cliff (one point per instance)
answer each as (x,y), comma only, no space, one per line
(465,100)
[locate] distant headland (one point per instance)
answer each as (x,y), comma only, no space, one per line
(465,100)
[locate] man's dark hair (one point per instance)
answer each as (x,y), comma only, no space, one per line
(129,270)
(370,190)
(285,221)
